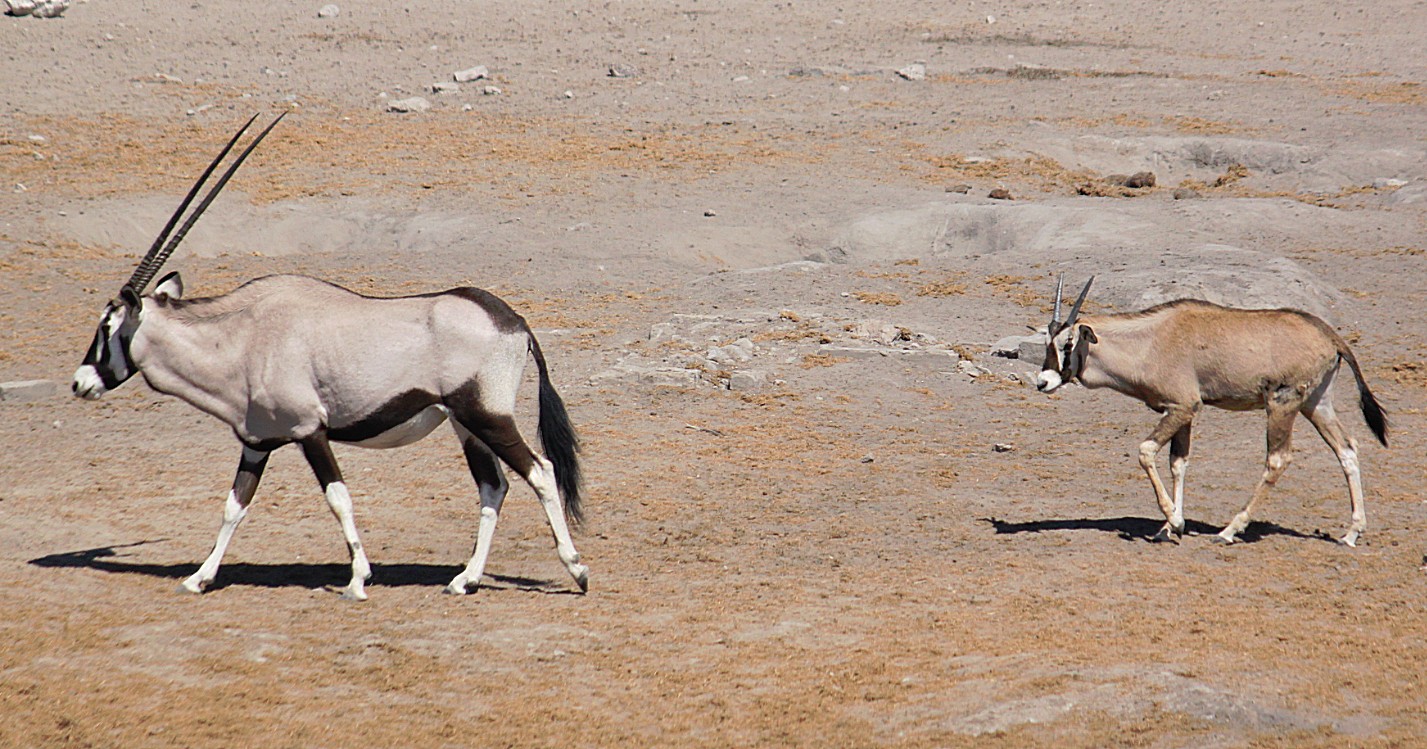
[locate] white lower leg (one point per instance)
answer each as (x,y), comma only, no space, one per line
(341,503)
(233,514)
(1349,459)
(471,576)
(1177,468)
(542,479)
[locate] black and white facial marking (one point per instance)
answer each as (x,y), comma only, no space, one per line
(1064,357)
(107,364)
(1066,349)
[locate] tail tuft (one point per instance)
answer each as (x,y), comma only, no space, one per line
(1373,413)
(559,441)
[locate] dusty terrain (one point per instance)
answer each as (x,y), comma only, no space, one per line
(834,552)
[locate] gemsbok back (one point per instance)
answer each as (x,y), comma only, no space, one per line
(286,359)
(1179,356)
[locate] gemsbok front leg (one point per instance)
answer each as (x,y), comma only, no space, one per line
(318,452)
(492,484)
(1175,420)
(245,485)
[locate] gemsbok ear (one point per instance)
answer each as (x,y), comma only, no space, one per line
(169,287)
(1087,334)
(130,298)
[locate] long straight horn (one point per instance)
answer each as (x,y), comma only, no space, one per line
(1075,311)
(192,192)
(1055,316)
(155,259)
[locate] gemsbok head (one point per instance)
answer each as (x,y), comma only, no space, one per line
(291,359)
(1180,356)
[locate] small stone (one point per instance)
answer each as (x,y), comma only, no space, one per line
(1140,180)
(445,88)
(710,213)
(1384,183)
(913,72)
(329,11)
(413,104)
(1003,447)
(568,95)
(868,458)
(471,74)
(623,71)
(490,91)
(961,189)
(1000,193)
(1186,193)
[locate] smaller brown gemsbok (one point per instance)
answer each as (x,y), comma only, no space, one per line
(291,359)
(1181,355)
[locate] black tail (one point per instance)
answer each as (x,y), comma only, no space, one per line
(1372,410)
(558,440)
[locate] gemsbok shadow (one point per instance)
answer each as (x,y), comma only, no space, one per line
(1145,529)
(290,575)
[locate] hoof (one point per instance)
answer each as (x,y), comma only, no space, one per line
(1222,539)
(1350,540)
(191,587)
(455,590)
(351,594)
(582,578)
(1165,535)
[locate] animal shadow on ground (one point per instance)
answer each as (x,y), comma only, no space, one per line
(334,576)
(1144,529)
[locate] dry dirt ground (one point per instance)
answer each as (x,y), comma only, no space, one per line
(834,555)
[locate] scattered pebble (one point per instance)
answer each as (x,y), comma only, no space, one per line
(1000,193)
(445,88)
(962,189)
(329,11)
(1186,193)
(623,71)
(1003,447)
(490,91)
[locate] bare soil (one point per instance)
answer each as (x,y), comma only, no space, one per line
(838,556)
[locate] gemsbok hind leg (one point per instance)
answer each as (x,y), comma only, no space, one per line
(500,434)
(1280,454)
(1320,413)
(245,485)
(492,484)
(1175,420)
(319,456)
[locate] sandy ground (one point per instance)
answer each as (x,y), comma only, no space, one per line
(833,553)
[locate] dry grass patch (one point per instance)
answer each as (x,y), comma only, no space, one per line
(886,299)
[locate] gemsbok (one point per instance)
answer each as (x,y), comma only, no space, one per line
(1178,356)
(288,358)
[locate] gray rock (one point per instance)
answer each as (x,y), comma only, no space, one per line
(413,104)
(747,379)
(445,87)
(623,71)
(329,11)
(27,391)
(913,72)
(471,74)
